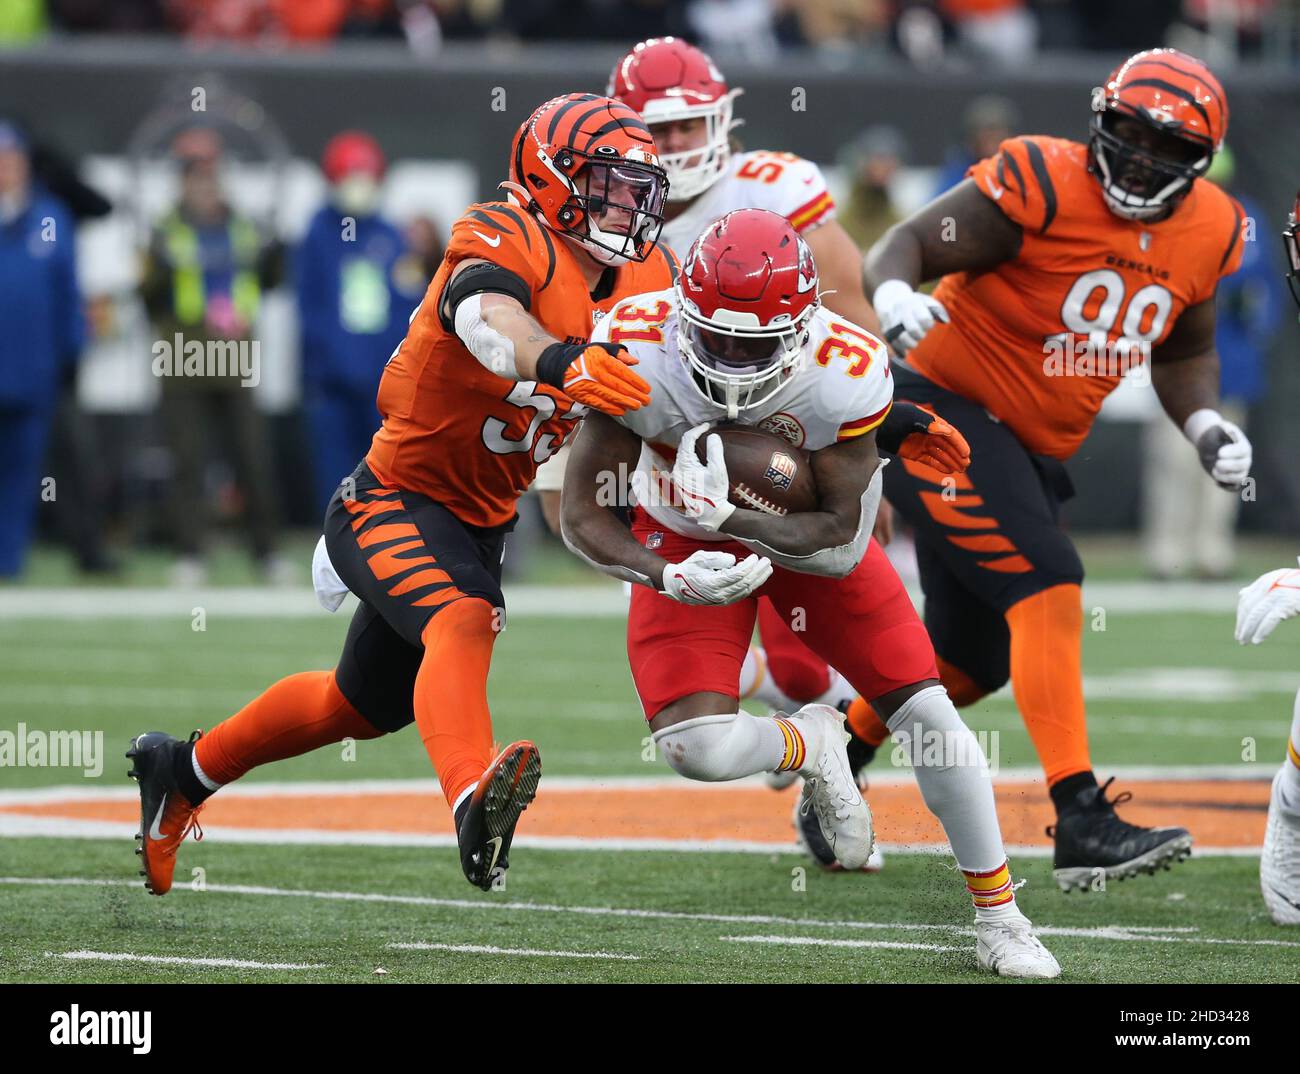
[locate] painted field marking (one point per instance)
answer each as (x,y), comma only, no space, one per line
(177,960)
(488,949)
(1120,933)
(820,941)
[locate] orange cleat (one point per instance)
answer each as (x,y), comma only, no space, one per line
(166,817)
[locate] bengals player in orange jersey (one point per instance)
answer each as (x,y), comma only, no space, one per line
(493,376)
(1062,265)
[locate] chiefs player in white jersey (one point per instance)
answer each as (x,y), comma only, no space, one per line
(743,337)
(688,106)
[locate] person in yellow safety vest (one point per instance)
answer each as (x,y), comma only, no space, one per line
(205,271)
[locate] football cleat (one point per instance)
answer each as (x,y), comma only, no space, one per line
(1092,842)
(1007,946)
(1279,865)
(166,816)
(486,826)
(808,834)
(829,789)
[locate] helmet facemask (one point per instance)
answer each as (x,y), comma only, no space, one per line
(692,171)
(1140,183)
(735,362)
(628,194)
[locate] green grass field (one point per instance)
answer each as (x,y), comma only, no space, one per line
(1165,688)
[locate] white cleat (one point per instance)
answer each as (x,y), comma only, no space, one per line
(808,837)
(829,788)
(1008,947)
(1279,865)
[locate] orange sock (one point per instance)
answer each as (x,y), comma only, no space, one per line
(451,706)
(1047,677)
(961,687)
(295,716)
(864,722)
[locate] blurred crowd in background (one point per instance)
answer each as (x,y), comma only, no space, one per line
(1003,31)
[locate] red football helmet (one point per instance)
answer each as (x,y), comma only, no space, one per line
(746,297)
(582,160)
(1292,243)
(1183,118)
(352,151)
(665,80)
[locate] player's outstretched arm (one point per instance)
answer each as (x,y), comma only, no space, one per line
(1185,374)
(830,540)
(602,456)
(961,230)
(486,305)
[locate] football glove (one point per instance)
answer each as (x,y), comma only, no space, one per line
(917,434)
(1264,603)
(706,577)
(1224,450)
(703,486)
(597,375)
(905,315)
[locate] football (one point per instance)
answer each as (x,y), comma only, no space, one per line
(767,472)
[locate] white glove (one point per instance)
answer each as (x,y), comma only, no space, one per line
(1225,452)
(905,315)
(706,577)
(703,486)
(1264,603)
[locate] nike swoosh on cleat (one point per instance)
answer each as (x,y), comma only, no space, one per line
(1289,902)
(155,829)
(495,844)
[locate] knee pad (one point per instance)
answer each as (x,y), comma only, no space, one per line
(701,748)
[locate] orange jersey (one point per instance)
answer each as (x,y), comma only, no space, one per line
(453,430)
(1018,341)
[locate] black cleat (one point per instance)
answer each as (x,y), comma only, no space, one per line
(486,826)
(166,816)
(1092,842)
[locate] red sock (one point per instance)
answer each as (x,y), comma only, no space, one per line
(293,717)
(798,672)
(451,706)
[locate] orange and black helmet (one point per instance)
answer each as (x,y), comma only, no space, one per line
(1157,123)
(586,167)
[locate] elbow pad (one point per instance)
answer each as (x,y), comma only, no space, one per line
(840,560)
(495,352)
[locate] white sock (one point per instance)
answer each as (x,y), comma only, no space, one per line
(753,671)
(838,693)
(1289,785)
(207,781)
(730,745)
(756,682)
(956,787)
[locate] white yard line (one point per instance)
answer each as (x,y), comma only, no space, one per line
(1121,933)
(177,960)
(523,601)
(820,941)
(487,949)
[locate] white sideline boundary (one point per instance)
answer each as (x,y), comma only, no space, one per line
(178,960)
(15,826)
(524,601)
(489,949)
(1113,933)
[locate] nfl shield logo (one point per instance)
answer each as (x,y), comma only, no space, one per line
(654,540)
(781,469)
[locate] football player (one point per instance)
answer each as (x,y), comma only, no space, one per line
(1268,600)
(741,337)
(494,374)
(688,107)
(1063,264)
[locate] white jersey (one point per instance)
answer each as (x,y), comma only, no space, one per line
(779,182)
(841,390)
